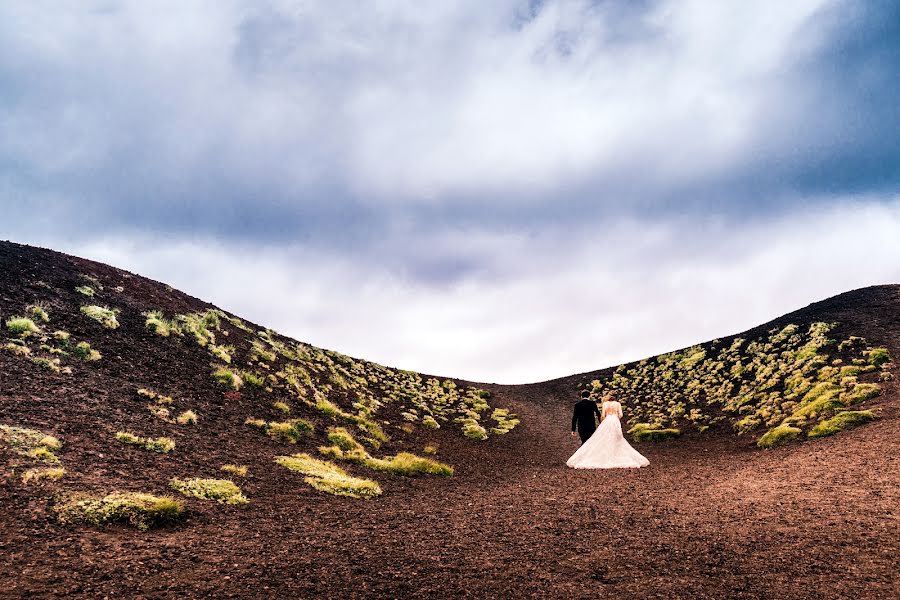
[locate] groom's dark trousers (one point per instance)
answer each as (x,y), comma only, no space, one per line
(583,418)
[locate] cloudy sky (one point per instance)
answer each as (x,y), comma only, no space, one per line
(504,191)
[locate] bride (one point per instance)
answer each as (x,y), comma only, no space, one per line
(607,448)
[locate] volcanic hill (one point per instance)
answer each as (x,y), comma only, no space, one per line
(154,445)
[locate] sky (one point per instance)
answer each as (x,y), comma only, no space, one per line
(504,191)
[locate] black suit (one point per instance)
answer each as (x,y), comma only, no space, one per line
(583,418)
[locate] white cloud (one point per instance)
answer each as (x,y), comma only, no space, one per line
(588,299)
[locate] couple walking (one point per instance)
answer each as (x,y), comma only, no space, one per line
(604,447)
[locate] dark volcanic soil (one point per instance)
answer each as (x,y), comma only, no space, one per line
(712,517)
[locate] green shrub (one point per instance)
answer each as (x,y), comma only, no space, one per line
(472,430)
(22,326)
(136,509)
(30,442)
(163,445)
(878,356)
(51,364)
(328,477)
(289,431)
(85,290)
(158,324)
(84,351)
(53,474)
(223,353)
(187,417)
(39,313)
(841,421)
(222,491)
(430,422)
(239,470)
(823,399)
(259,423)
(18,349)
(282,407)
(228,378)
(778,435)
(408,464)
(645,432)
(103,315)
(253,379)
(860,393)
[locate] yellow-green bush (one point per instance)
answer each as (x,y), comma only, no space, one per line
(841,421)
(328,477)
(222,491)
(778,435)
(104,316)
(30,442)
(22,326)
(162,445)
(239,470)
(52,474)
(134,508)
(228,378)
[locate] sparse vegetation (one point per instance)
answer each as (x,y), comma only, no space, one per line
(282,407)
(17,349)
(38,312)
(104,316)
(187,417)
(289,431)
(134,508)
(84,351)
(222,491)
(878,356)
(778,435)
(35,475)
(328,477)
(158,324)
(85,290)
(645,432)
(238,470)
(228,378)
(31,443)
(162,445)
(345,447)
(22,326)
(841,421)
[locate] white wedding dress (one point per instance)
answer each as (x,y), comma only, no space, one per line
(607,448)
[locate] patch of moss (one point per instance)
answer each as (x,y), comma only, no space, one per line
(31,443)
(289,431)
(238,470)
(878,356)
(778,435)
(822,400)
(134,508)
(228,378)
(430,422)
(35,475)
(223,353)
(39,313)
(162,445)
(17,349)
(328,477)
(282,407)
(406,463)
(104,316)
(645,432)
(85,290)
(860,393)
(841,421)
(84,351)
(473,430)
(187,417)
(222,491)
(22,326)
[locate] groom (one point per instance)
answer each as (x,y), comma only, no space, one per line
(583,417)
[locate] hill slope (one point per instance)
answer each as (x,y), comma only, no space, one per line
(708,518)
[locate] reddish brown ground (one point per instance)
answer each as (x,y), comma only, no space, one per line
(712,517)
